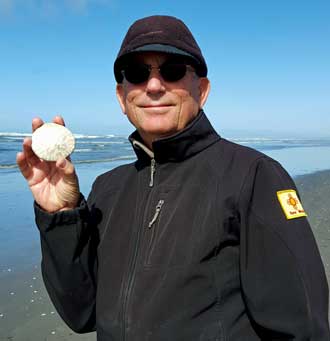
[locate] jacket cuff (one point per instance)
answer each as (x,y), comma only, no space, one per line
(46,220)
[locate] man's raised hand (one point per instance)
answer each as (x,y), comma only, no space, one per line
(54,184)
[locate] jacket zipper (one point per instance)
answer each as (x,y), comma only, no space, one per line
(152,172)
(157,211)
(153,229)
(132,266)
(139,145)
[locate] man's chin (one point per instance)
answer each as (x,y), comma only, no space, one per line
(157,132)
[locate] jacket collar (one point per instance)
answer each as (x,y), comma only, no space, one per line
(196,136)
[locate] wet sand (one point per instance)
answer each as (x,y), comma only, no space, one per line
(315,194)
(27,314)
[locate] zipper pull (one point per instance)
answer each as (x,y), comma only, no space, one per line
(152,172)
(157,211)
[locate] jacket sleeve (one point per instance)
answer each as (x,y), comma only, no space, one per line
(68,245)
(283,279)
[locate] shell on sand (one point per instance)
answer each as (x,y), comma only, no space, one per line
(52,141)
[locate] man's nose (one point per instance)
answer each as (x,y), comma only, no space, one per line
(155,82)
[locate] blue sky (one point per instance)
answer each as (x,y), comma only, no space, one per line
(268,62)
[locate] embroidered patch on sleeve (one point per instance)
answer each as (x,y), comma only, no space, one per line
(291,204)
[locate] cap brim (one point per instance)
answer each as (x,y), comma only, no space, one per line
(162,48)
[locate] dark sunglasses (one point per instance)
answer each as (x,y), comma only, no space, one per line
(138,73)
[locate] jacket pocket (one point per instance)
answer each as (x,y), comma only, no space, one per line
(178,226)
(152,230)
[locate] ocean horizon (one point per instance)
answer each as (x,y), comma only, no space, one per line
(298,155)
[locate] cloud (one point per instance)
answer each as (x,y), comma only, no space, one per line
(83,5)
(79,6)
(6,7)
(49,7)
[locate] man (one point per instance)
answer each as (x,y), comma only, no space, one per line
(199,239)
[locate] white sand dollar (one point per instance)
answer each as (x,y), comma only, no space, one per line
(52,141)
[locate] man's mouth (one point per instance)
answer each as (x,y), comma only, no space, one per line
(156,105)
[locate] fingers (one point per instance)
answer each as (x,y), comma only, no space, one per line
(36,123)
(23,165)
(27,159)
(31,158)
(59,120)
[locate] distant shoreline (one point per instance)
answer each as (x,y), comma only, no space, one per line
(318,172)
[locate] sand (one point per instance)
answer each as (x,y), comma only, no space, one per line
(27,314)
(315,194)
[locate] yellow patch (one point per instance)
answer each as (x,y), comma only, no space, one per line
(291,204)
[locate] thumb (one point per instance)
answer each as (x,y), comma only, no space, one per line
(65,166)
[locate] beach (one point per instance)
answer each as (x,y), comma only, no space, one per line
(315,194)
(26,312)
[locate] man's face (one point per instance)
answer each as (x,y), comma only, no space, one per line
(159,108)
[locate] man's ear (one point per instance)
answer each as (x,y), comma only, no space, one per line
(120,92)
(204,90)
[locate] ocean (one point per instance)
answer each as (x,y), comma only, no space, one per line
(298,156)
(89,149)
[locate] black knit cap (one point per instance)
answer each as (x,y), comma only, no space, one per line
(160,33)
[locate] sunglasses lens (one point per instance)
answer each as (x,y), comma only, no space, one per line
(172,72)
(136,73)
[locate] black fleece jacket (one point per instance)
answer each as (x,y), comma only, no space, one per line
(189,243)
